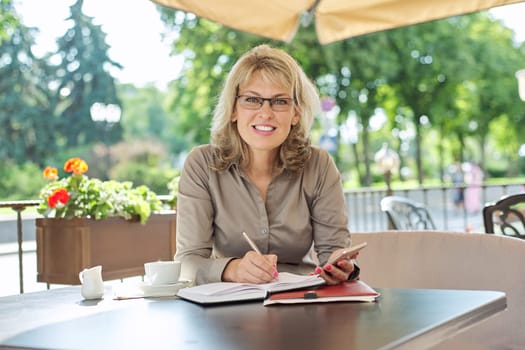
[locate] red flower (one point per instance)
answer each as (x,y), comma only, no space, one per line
(59,198)
(50,173)
(76,166)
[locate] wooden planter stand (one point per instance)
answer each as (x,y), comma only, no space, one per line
(64,247)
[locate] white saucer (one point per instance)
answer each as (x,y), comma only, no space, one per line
(162,289)
(145,290)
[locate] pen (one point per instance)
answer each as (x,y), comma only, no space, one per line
(254,247)
(250,242)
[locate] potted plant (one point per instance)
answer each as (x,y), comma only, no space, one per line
(90,222)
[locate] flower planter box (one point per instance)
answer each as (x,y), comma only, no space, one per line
(67,246)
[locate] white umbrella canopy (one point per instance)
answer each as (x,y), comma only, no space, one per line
(334,19)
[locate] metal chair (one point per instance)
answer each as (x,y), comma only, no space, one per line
(506,216)
(405,214)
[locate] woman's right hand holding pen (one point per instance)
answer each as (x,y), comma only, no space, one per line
(252,268)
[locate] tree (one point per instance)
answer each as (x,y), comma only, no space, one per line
(145,116)
(429,64)
(82,79)
(357,83)
(424,76)
(495,86)
(25,112)
(8,20)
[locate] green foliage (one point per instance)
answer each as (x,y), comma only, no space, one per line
(156,178)
(43,106)
(448,76)
(145,116)
(82,79)
(24,109)
(20,182)
(497,169)
(8,20)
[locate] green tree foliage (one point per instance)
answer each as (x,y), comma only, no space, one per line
(25,112)
(20,182)
(147,117)
(497,60)
(431,61)
(82,79)
(44,106)
(432,77)
(8,20)
(356,82)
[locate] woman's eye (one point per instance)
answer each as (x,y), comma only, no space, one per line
(252,99)
(280,101)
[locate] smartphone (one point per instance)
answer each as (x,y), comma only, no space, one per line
(347,253)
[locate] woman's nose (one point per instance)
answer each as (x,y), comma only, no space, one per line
(266,109)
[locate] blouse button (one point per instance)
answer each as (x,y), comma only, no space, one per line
(264,231)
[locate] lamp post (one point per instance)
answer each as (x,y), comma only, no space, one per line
(387,161)
(108,115)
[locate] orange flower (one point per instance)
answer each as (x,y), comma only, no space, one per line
(50,173)
(76,166)
(59,198)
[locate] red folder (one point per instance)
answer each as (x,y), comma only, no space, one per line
(346,291)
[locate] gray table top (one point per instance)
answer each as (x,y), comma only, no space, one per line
(401,318)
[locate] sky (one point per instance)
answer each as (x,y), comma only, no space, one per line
(133,29)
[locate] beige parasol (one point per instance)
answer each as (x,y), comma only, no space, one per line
(334,19)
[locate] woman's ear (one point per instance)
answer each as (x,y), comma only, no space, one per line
(296,117)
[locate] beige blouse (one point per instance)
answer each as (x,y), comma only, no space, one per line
(302,211)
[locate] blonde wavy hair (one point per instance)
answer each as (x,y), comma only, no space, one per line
(281,69)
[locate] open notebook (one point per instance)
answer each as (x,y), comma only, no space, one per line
(224,292)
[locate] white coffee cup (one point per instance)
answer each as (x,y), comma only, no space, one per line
(162,272)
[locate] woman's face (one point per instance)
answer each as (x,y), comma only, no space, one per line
(264,129)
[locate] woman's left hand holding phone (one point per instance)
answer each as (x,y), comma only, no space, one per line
(338,271)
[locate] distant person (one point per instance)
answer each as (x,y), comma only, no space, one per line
(458,181)
(473,180)
(260,175)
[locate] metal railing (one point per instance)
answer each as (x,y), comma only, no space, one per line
(363,208)
(365,215)
(19,207)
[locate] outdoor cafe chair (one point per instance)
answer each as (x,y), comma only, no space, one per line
(406,214)
(506,216)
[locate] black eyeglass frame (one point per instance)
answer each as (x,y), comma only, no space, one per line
(271,101)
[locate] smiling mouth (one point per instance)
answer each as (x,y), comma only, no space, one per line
(264,127)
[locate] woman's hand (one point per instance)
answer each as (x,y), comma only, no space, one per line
(252,268)
(338,272)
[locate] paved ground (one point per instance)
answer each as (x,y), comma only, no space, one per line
(9,269)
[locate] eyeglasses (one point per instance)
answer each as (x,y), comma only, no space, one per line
(277,104)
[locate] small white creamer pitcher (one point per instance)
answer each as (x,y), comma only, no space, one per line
(92,284)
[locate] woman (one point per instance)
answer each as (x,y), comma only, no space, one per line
(260,175)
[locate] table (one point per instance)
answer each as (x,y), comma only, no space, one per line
(400,319)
